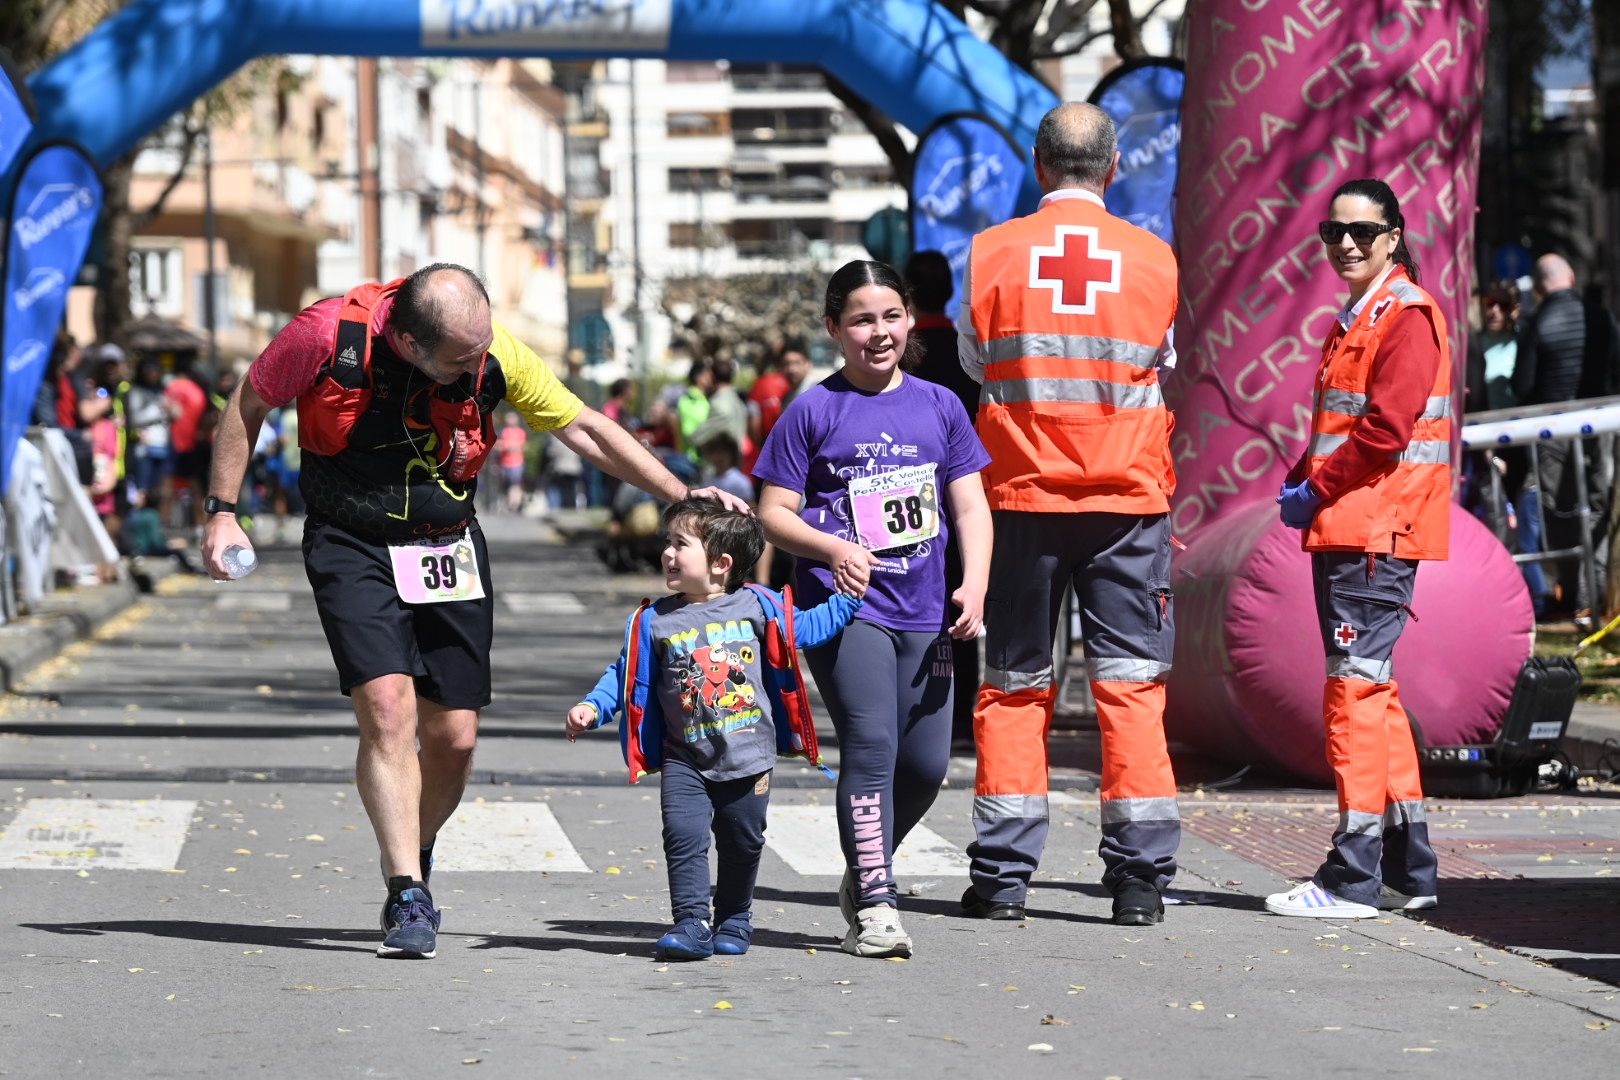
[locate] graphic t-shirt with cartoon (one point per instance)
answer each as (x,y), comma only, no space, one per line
(717,715)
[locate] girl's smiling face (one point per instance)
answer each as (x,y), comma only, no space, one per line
(871,334)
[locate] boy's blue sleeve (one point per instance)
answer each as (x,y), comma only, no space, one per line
(825,621)
(607,692)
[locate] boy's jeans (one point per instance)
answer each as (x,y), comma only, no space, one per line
(735,811)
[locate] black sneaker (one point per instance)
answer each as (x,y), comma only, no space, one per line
(1137,903)
(427,863)
(977,907)
(410,925)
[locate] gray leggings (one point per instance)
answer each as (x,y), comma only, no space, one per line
(889,694)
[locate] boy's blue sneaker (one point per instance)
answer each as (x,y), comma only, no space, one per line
(410,925)
(689,939)
(731,937)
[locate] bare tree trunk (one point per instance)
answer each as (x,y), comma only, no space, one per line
(1127,32)
(113,292)
(880,126)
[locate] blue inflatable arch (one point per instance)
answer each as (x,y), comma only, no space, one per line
(910,58)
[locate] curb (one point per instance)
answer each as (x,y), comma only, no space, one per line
(64,617)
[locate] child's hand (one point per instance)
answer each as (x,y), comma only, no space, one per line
(580,718)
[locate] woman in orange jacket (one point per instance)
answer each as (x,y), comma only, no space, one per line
(1372,497)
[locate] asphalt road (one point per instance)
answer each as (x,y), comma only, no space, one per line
(188,887)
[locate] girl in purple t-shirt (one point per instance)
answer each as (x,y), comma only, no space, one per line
(865,475)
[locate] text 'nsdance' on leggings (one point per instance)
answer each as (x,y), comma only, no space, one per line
(889,695)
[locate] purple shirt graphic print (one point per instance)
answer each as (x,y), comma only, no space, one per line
(833,434)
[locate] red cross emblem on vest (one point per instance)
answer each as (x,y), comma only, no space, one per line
(1076,268)
(1345,635)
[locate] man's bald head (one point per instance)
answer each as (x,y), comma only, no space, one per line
(1075,147)
(439,302)
(1554,274)
(440,320)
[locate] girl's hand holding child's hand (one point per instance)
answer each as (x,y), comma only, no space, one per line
(852,568)
(580,718)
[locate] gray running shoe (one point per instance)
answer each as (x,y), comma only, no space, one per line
(876,932)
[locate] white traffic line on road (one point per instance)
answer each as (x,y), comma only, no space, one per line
(522,837)
(254,601)
(806,837)
(543,603)
(96,834)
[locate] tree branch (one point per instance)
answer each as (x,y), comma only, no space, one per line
(191,133)
(33,43)
(881,127)
(1126,30)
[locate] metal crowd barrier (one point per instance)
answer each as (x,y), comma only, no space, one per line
(1572,422)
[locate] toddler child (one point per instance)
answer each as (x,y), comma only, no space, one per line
(710,686)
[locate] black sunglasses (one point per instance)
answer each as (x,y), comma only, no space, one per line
(1362,232)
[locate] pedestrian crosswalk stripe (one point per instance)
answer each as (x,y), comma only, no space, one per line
(254,601)
(543,603)
(505,837)
(806,837)
(96,834)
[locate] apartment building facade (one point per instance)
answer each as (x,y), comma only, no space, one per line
(345,170)
(724,169)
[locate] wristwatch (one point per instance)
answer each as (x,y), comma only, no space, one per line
(213,505)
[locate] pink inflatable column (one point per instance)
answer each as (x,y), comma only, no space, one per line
(1286,100)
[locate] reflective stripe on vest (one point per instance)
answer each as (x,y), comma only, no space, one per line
(1071,346)
(1347,403)
(1418,451)
(1085,391)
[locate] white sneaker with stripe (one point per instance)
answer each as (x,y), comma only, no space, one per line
(1310,901)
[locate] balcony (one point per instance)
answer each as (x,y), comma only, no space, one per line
(748,81)
(782,189)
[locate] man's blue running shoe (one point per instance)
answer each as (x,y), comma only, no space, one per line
(410,925)
(732,936)
(689,939)
(427,863)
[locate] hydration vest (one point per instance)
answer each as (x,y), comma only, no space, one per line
(328,410)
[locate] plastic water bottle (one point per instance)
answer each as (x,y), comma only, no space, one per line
(239,561)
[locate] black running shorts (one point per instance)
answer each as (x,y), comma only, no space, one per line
(372,632)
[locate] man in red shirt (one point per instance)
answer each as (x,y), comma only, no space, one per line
(190,403)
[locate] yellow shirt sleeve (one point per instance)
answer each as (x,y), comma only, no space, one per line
(531,388)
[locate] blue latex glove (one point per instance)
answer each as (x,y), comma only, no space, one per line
(1298,503)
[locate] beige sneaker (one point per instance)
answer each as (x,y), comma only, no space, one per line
(876,932)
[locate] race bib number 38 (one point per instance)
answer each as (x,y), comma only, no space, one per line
(436,573)
(895,509)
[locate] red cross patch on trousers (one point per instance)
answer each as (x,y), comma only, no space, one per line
(1076,268)
(1345,635)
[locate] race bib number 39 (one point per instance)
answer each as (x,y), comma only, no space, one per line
(895,509)
(436,573)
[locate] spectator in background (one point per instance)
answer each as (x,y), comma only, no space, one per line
(1492,353)
(692,407)
(107,490)
(150,417)
(510,445)
(1568,351)
(795,365)
(765,403)
(722,467)
(192,454)
(928,273)
(617,406)
(565,476)
(57,402)
(728,415)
